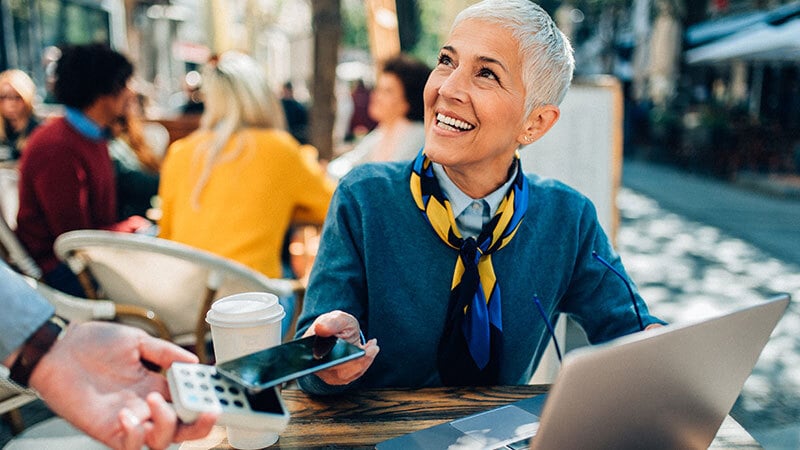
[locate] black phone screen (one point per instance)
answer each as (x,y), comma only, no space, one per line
(285,362)
(265,400)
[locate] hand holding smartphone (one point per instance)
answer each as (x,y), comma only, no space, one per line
(285,362)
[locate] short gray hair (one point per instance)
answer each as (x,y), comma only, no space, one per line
(547,57)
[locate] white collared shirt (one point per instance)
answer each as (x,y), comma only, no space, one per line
(471,214)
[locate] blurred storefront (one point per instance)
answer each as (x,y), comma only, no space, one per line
(166,39)
(741,112)
(175,38)
(732,103)
(32,30)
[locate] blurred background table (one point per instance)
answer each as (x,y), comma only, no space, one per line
(364,418)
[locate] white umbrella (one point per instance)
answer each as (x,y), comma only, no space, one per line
(761,42)
(665,47)
(640,61)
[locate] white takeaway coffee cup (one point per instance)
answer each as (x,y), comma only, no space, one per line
(242,324)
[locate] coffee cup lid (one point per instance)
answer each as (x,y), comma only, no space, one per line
(245,310)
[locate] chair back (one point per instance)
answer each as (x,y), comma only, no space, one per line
(74,309)
(55,432)
(11,399)
(176,281)
(9,195)
(11,248)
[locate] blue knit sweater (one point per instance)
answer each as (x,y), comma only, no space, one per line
(380,261)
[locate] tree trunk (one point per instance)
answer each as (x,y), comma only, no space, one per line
(327,33)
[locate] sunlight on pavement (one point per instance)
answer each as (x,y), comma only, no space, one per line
(688,271)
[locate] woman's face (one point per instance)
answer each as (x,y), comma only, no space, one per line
(12,106)
(387,102)
(474,101)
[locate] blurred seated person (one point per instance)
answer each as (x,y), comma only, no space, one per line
(17,121)
(343,112)
(236,185)
(396,105)
(457,262)
(136,165)
(360,121)
(67,178)
(296,114)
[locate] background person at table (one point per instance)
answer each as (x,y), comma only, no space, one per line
(360,122)
(396,105)
(399,236)
(136,165)
(92,375)
(17,121)
(295,112)
(236,185)
(66,176)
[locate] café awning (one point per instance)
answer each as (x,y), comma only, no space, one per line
(711,30)
(759,42)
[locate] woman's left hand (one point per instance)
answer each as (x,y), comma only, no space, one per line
(344,326)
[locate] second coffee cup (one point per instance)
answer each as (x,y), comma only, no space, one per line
(242,324)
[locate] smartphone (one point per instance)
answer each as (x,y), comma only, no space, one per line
(285,362)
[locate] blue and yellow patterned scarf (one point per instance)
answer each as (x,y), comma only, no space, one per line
(470,347)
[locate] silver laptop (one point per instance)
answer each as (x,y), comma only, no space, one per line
(665,388)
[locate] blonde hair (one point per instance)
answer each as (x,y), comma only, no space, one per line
(236,95)
(24,86)
(547,56)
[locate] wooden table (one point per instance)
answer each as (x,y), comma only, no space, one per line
(362,419)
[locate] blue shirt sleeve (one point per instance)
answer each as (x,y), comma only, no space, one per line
(24,311)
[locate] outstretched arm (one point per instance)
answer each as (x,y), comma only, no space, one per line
(94,378)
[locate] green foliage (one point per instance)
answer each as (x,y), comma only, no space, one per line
(432,32)
(19,9)
(411,19)
(354,25)
(550,5)
(409,23)
(423,28)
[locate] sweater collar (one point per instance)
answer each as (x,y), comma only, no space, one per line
(84,125)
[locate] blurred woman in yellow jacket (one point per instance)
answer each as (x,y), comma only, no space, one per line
(236,185)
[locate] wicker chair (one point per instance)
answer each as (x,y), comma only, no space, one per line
(175,281)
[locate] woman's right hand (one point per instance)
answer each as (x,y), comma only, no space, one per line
(344,326)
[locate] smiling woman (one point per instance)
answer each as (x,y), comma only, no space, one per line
(473,239)
(477,96)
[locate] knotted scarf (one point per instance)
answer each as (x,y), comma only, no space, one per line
(471,344)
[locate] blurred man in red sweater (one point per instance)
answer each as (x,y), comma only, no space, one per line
(66,175)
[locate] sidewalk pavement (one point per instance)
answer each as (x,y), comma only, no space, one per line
(776,185)
(697,248)
(761,210)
